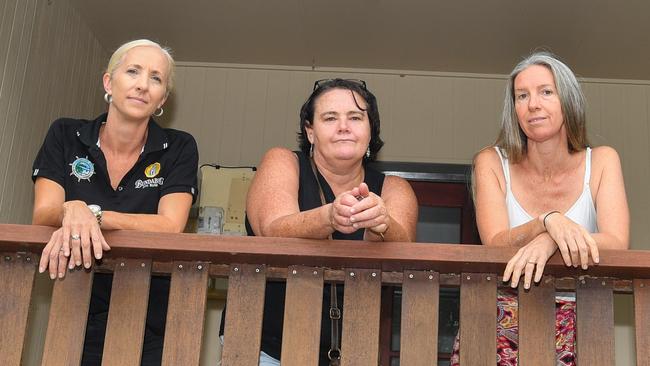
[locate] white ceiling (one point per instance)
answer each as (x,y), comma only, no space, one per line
(597,38)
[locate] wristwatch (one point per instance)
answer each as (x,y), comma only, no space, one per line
(97,211)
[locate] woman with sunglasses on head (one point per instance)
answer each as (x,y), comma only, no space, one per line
(326,190)
(541,188)
(118,171)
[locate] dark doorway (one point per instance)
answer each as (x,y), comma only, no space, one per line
(446,215)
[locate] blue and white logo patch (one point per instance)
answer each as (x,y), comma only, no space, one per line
(82,168)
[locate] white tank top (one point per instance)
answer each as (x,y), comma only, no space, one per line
(583,211)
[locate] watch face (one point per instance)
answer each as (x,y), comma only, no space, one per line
(95,209)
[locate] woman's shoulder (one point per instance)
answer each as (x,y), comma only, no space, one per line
(178,134)
(604,157)
(604,152)
(68,123)
(487,157)
(394,183)
(488,168)
(65,127)
(279,153)
(279,157)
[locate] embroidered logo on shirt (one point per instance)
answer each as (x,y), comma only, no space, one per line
(149,183)
(152,170)
(82,168)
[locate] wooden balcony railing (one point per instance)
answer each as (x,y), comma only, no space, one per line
(306,264)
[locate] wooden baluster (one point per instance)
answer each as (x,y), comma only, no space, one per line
(478,299)
(360,333)
(245,310)
(127,313)
(419,334)
(537,324)
(185,314)
(595,322)
(302,316)
(16,282)
(642,321)
(66,328)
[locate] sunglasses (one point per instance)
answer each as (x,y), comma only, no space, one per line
(319,83)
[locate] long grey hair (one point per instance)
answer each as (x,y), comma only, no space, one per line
(512,138)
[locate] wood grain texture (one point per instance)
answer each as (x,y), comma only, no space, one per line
(302,316)
(642,321)
(537,324)
(245,309)
(66,328)
(127,313)
(478,320)
(16,282)
(419,334)
(185,314)
(360,328)
(282,252)
(595,322)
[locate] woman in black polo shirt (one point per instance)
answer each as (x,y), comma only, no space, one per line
(119,171)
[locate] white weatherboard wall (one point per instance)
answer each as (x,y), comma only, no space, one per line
(50,66)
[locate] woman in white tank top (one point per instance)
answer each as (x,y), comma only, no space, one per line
(542,188)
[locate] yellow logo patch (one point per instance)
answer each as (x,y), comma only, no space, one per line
(152,170)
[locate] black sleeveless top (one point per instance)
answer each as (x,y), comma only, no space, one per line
(308,198)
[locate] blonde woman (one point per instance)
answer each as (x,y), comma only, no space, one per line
(118,171)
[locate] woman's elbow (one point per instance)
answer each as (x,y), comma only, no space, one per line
(40,217)
(177,228)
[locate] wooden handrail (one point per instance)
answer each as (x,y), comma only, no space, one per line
(282,252)
(248,262)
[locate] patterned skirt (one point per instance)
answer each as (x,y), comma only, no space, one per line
(507,331)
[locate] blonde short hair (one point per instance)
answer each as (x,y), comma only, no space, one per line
(118,56)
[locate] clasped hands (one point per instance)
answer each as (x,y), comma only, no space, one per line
(359,208)
(74,243)
(576,245)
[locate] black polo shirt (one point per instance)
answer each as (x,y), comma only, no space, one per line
(70,156)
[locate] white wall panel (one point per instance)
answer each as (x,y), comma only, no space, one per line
(634,128)
(52,68)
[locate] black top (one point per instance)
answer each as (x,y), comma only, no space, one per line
(71,157)
(309,198)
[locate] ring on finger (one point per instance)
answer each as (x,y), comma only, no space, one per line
(530,261)
(75,237)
